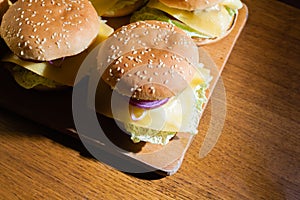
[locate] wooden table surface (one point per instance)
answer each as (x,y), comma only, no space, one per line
(256,157)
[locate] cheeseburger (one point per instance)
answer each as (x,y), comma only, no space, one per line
(154,80)
(48,40)
(205,21)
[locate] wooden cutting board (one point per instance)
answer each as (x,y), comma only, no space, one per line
(54,110)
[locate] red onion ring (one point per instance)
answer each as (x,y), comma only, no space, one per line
(148,104)
(57,63)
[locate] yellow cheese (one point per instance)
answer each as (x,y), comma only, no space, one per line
(178,114)
(213,23)
(103,6)
(66,73)
(233,4)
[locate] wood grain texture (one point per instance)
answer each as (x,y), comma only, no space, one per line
(56,112)
(256,157)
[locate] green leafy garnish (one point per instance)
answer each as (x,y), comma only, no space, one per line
(231,11)
(163,137)
(27,79)
(147,13)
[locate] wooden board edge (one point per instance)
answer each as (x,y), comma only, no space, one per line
(240,24)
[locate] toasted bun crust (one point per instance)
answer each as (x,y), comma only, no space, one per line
(190,5)
(144,35)
(136,60)
(124,11)
(149,74)
(48,30)
(3,8)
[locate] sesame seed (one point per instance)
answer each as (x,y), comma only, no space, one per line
(130,57)
(152,90)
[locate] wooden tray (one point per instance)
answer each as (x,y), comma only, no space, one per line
(54,110)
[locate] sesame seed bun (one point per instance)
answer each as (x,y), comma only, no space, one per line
(148,60)
(149,74)
(125,10)
(48,30)
(190,5)
(147,34)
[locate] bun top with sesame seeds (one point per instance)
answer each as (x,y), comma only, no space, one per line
(147,34)
(190,5)
(148,60)
(46,30)
(150,74)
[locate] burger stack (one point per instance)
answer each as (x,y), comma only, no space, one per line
(205,21)
(156,83)
(48,40)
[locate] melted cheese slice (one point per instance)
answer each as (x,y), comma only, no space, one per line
(179,114)
(234,4)
(212,22)
(66,73)
(103,6)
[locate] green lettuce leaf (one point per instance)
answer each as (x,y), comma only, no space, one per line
(27,79)
(148,135)
(163,137)
(147,13)
(231,11)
